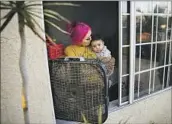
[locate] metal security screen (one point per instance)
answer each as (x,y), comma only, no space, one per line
(145,48)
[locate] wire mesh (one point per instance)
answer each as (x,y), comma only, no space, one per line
(78,88)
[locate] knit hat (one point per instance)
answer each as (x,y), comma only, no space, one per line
(77,31)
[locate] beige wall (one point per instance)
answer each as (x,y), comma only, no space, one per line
(156,109)
(40,105)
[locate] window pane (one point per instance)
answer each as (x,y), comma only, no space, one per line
(169,7)
(157,79)
(143,7)
(145,56)
(124,6)
(144,52)
(169,53)
(125,88)
(163,73)
(137,54)
(125,60)
(125,29)
(160,7)
(170,75)
(162,52)
(143,29)
(141,86)
(138,22)
(169,27)
(162,25)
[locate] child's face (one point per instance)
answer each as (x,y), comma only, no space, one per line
(97,45)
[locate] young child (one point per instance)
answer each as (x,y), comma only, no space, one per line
(102,53)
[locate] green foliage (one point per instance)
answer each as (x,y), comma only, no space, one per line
(28,11)
(99,116)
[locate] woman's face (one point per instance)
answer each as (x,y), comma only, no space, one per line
(87,39)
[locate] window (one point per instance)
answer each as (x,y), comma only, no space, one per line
(139,35)
(145,59)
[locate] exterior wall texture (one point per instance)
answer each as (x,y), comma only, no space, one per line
(155,109)
(40,105)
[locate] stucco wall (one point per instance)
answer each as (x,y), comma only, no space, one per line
(40,105)
(11,111)
(155,109)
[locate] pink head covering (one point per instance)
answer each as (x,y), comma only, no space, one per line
(78,31)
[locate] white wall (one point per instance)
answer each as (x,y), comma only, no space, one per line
(155,109)
(40,105)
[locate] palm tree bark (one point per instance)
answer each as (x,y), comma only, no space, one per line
(23,58)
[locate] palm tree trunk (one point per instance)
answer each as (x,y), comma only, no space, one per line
(23,59)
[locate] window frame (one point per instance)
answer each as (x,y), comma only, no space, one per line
(132,46)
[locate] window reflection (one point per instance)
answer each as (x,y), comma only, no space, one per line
(160,7)
(124,6)
(169,27)
(125,88)
(169,7)
(169,76)
(143,34)
(141,86)
(143,7)
(162,26)
(157,79)
(125,29)
(162,52)
(125,60)
(144,52)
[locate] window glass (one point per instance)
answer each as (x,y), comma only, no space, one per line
(143,7)
(169,28)
(125,88)
(124,6)
(143,29)
(125,29)
(169,7)
(141,86)
(162,7)
(125,60)
(144,52)
(162,26)
(157,79)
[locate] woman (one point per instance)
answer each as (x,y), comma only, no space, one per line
(80,34)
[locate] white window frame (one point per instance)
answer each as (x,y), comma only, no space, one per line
(132,46)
